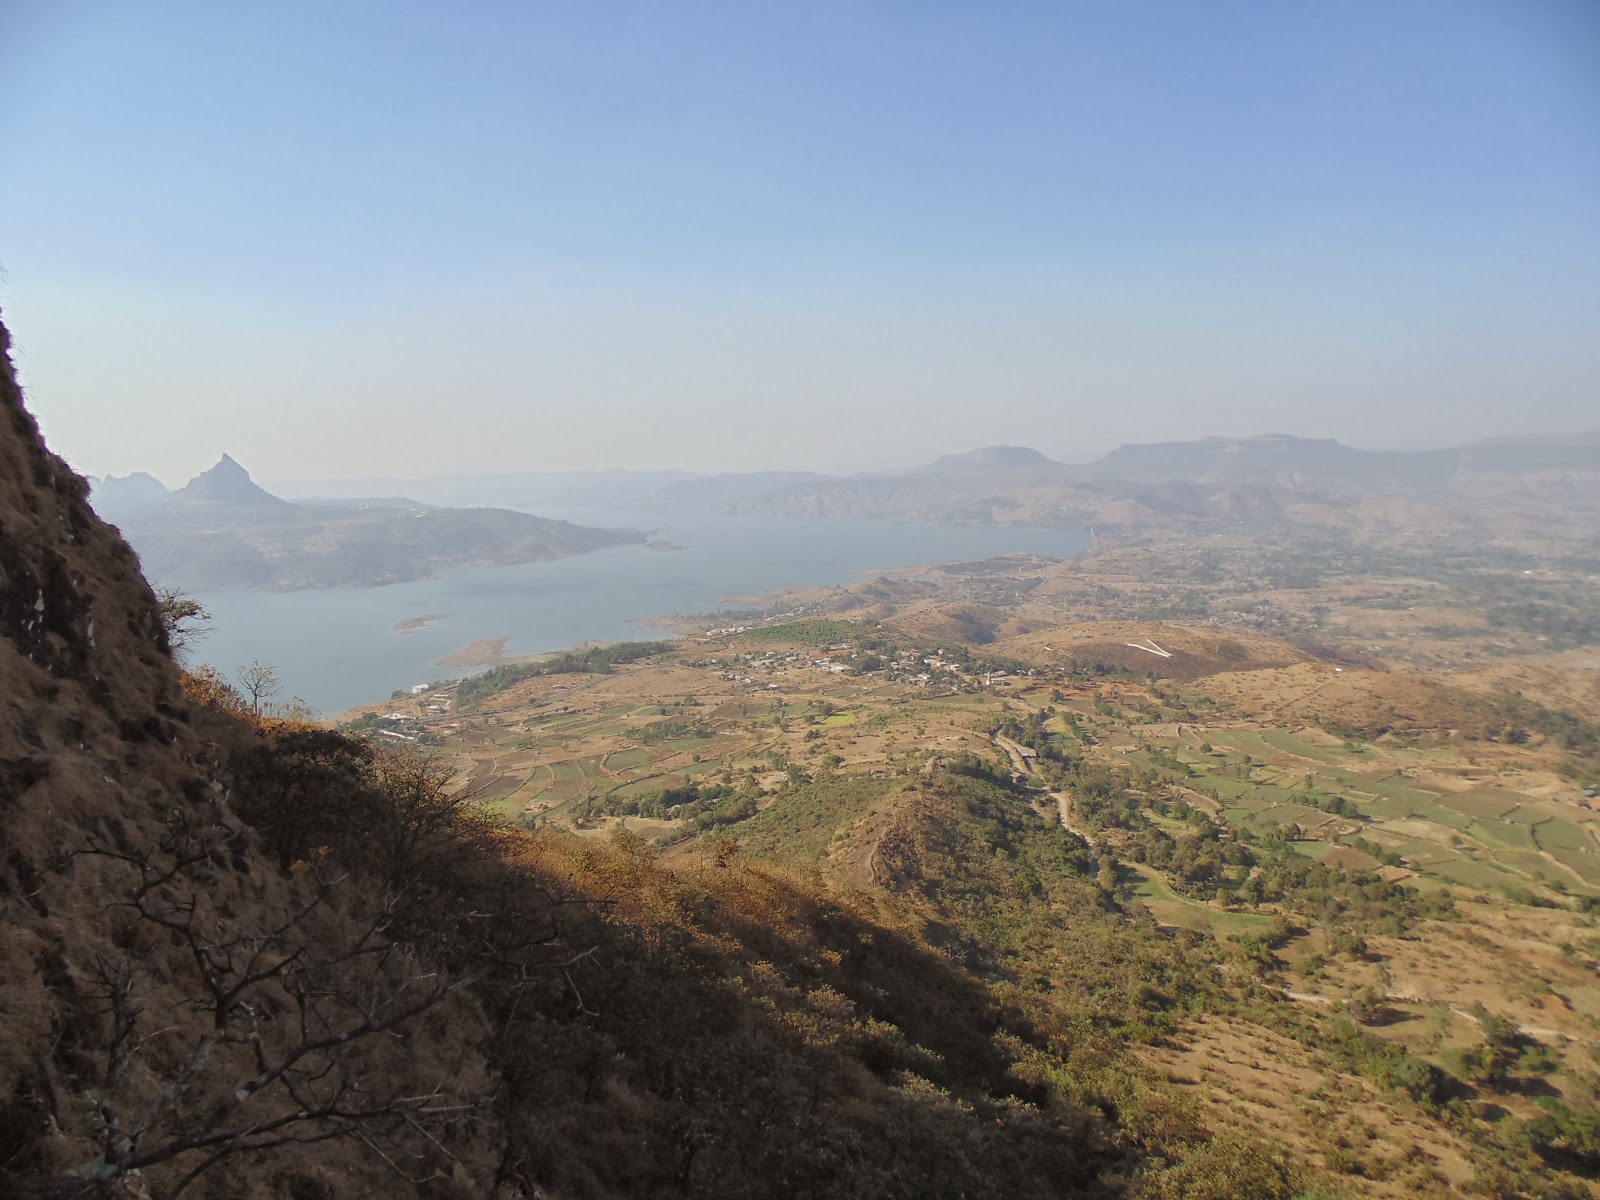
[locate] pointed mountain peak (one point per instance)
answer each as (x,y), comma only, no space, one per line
(227,483)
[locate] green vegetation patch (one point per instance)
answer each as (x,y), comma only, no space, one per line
(1300,814)
(1402,790)
(1283,740)
(1482,802)
(596,660)
(1247,741)
(1272,793)
(627,760)
(1449,818)
(650,783)
(672,731)
(1529,862)
(1385,809)
(1169,908)
(1420,852)
(801,823)
(814,632)
(685,745)
(1312,849)
(496,789)
(561,722)
(1231,791)
(1556,834)
(1472,872)
(1502,834)
(1587,866)
(1352,859)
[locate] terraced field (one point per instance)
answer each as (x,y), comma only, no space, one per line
(1180,912)
(1480,833)
(573,741)
(1424,810)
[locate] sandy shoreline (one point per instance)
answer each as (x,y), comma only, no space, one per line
(485,652)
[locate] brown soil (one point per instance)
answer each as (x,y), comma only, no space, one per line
(1245,1077)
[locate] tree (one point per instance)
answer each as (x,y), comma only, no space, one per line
(1366,1006)
(1437,1026)
(306,788)
(1490,1062)
(183,618)
(260,680)
(1106,877)
(306,1024)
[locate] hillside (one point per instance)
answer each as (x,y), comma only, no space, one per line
(251,958)
(819,909)
(222,530)
(1355,787)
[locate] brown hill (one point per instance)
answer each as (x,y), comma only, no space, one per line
(169,994)
(248,959)
(1154,648)
(1373,702)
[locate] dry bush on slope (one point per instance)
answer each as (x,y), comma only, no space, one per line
(746,1031)
(155,962)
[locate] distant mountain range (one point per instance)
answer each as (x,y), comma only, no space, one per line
(1492,486)
(954,483)
(223,530)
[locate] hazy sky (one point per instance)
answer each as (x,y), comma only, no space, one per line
(346,238)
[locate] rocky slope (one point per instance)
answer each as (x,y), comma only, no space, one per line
(156,964)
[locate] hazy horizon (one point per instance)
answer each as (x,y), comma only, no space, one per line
(306,486)
(401,242)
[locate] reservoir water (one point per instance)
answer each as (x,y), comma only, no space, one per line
(338,647)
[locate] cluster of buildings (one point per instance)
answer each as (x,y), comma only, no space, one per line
(743,668)
(926,670)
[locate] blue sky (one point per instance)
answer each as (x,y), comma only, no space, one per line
(401,239)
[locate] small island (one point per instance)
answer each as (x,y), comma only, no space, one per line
(412,624)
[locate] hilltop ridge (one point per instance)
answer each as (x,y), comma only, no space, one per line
(1512,487)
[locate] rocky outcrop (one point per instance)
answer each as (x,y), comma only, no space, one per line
(227,484)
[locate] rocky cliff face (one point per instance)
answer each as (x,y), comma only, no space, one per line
(132,900)
(74,610)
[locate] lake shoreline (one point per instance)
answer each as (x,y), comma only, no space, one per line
(342,647)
